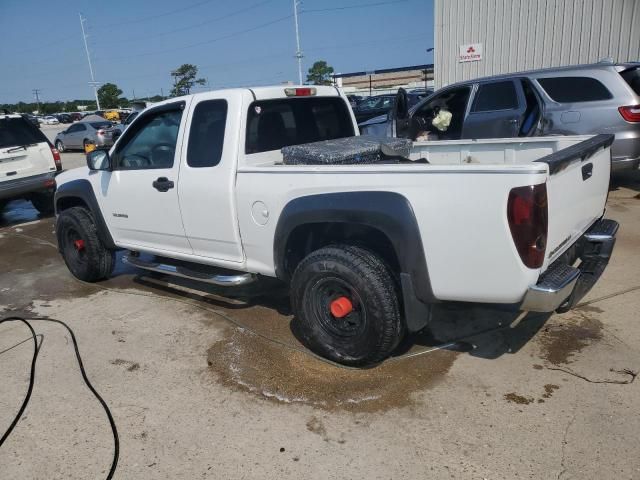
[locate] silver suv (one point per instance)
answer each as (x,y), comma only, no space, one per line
(582,99)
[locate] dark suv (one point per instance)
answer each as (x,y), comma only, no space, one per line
(576,100)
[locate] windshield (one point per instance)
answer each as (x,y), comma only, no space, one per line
(18,132)
(273,124)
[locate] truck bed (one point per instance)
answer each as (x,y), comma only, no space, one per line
(459,198)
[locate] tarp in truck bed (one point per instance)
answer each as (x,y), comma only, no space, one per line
(348,151)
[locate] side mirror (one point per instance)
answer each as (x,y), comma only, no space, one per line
(400,114)
(99,160)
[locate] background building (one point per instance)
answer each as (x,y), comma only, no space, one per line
(476,38)
(385,80)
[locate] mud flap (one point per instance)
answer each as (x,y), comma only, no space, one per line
(417,314)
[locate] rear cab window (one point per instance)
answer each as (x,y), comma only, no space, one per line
(18,132)
(574,89)
(274,124)
(206,134)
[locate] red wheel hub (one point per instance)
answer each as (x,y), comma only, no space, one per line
(79,244)
(341,307)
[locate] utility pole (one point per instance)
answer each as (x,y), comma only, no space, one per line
(298,51)
(36,92)
(93,82)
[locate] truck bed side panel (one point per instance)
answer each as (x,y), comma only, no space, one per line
(461,213)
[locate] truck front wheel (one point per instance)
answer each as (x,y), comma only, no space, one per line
(83,251)
(346,302)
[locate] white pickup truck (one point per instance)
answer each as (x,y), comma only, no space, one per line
(227,186)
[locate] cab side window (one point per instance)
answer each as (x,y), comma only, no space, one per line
(151,143)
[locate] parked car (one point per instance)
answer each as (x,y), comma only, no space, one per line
(366,242)
(82,133)
(373,107)
(33,119)
(50,120)
(354,100)
(112,116)
(64,118)
(28,164)
(75,116)
(130,118)
(583,99)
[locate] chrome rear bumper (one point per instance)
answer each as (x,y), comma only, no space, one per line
(562,285)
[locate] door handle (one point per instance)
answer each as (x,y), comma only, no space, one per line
(162,184)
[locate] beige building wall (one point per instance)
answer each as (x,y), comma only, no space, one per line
(517,35)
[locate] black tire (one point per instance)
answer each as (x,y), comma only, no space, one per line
(372,330)
(43,202)
(60,146)
(84,253)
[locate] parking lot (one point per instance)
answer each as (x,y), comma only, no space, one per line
(205,385)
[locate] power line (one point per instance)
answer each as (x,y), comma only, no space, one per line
(206,42)
(195,25)
(349,7)
(153,17)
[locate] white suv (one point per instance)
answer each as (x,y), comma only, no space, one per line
(28,164)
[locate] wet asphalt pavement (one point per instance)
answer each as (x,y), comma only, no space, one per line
(208,384)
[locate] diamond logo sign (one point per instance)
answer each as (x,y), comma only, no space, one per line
(471,52)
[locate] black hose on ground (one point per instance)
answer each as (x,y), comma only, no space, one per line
(36,350)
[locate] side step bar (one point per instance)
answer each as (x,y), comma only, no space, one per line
(184,272)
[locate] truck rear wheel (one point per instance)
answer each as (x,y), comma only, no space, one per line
(83,251)
(346,301)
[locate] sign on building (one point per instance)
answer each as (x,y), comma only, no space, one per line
(471,52)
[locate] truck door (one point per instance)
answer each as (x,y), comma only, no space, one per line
(207,178)
(497,111)
(139,198)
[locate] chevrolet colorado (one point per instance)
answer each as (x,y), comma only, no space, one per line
(227,186)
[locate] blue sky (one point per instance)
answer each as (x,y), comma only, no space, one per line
(135,44)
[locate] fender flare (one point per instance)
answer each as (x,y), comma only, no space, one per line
(388,212)
(81,189)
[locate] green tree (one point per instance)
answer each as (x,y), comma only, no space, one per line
(109,94)
(184,78)
(320,73)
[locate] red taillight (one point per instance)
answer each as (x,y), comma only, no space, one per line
(300,92)
(101,132)
(56,158)
(528,222)
(631,113)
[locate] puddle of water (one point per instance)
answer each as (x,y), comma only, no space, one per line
(248,363)
(18,212)
(519,399)
(34,270)
(561,342)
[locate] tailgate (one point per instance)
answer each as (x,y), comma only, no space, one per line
(20,162)
(576,191)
